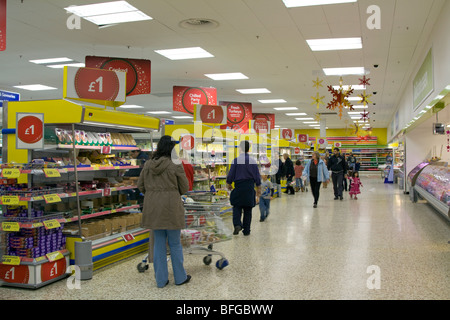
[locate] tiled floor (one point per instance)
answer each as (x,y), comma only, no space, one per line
(302,253)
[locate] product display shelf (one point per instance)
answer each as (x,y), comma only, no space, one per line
(126,217)
(369,158)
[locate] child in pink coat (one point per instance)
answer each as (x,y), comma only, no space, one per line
(355,184)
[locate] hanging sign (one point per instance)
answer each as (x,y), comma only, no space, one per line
(185,98)
(266,117)
(239,115)
(2,25)
(303,138)
(30,131)
(187,142)
(209,114)
(8,96)
(95,85)
(287,134)
(138,72)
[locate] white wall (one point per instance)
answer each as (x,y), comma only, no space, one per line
(439,41)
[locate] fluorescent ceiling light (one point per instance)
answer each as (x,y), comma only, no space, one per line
(51,60)
(355,118)
(131,106)
(60,66)
(360,107)
(182,117)
(354,87)
(354,99)
(311,122)
(335,44)
(314,125)
(306,3)
(344,71)
(185,53)
(227,76)
(277,101)
(296,114)
(159,112)
(35,87)
(253,91)
(108,12)
(285,109)
(304,119)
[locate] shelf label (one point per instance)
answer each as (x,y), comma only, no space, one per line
(51,224)
(10,173)
(52,198)
(128,237)
(10,200)
(53,256)
(106,150)
(106,192)
(52,173)
(10,226)
(11,260)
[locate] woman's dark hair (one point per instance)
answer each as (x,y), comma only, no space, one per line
(164,148)
(298,162)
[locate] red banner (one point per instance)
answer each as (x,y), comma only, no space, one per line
(138,71)
(184,98)
(238,115)
(265,117)
(2,25)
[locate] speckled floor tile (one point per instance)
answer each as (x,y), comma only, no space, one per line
(300,253)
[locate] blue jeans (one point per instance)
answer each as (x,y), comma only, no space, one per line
(173,238)
(264,208)
(299,182)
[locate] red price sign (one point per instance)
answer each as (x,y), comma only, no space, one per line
(128,237)
(53,269)
(14,273)
(297,150)
(303,138)
(187,142)
(287,134)
(96,84)
(210,114)
(30,131)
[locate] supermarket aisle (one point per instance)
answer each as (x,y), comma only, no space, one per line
(302,253)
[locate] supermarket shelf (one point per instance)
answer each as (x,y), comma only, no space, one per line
(116,148)
(79,169)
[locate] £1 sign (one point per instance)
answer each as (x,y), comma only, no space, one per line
(30,131)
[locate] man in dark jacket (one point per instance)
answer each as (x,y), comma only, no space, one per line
(338,167)
(279,175)
(290,173)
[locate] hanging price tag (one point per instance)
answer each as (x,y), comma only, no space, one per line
(10,226)
(53,256)
(52,173)
(51,198)
(10,173)
(11,260)
(51,224)
(10,200)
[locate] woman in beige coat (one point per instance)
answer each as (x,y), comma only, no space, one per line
(163,182)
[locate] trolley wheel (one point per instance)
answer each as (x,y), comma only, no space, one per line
(142,267)
(207,260)
(222,263)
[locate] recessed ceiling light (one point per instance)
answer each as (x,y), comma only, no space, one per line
(253,91)
(360,107)
(60,66)
(227,76)
(344,71)
(354,87)
(306,3)
(35,87)
(304,119)
(355,118)
(182,117)
(159,112)
(108,12)
(131,106)
(311,122)
(335,44)
(296,114)
(314,125)
(51,60)
(277,101)
(185,53)
(353,99)
(285,109)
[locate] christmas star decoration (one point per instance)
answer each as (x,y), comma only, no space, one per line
(340,98)
(365,116)
(365,98)
(317,117)
(318,100)
(364,81)
(317,83)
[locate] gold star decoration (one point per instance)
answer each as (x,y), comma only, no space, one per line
(340,98)
(318,100)
(317,83)
(365,98)
(317,117)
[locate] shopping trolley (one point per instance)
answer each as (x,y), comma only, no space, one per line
(305,183)
(205,213)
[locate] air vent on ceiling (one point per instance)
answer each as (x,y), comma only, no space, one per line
(199,23)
